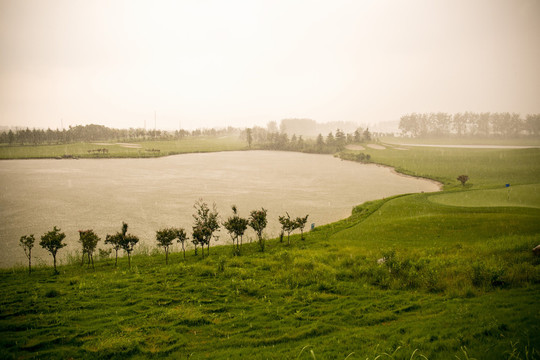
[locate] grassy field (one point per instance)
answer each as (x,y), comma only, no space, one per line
(459,281)
(485,167)
(464,140)
(122,150)
(521,195)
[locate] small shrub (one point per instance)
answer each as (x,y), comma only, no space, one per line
(484,275)
(431,280)
(104,254)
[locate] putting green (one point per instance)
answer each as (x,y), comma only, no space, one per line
(520,195)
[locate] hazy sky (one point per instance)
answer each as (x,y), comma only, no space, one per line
(241,63)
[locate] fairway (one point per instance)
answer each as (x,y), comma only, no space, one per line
(520,195)
(485,167)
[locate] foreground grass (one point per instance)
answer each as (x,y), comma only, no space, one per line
(463,281)
(122,150)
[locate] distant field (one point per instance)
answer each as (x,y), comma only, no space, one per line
(521,195)
(485,167)
(122,150)
(526,141)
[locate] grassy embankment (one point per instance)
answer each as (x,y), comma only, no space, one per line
(460,281)
(123,150)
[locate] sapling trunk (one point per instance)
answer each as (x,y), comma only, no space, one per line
(54,263)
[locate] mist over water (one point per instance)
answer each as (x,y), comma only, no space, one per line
(150,194)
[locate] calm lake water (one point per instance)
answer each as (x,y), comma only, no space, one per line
(150,194)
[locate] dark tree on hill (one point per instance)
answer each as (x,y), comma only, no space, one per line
(287,225)
(27,243)
(463,179)
(197,238)
(52,242)
(257,221)
(128,242)
(236,227)
(114,240)
(300,223)
(88,240)
(165,238)
(206,223)
(122,240)
(181,237)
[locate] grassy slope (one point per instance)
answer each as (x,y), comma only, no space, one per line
(459,280)
(170,147)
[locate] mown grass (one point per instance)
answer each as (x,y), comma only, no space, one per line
(520,195)
(464,140)
(122,150)
(485,167)
(456,282)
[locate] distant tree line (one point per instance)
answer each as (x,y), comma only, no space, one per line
(272,139)
(309,127)
(470,124)
(89,133)
(206,224)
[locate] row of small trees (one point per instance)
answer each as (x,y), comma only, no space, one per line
(206,224)
(321,144)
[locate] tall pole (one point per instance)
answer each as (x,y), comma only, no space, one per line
(155,124)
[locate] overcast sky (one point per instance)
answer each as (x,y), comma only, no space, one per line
(241,63)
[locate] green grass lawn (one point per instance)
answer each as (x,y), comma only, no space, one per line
(459,281)
(485,167)
(521,195)
(120,150)
(464,140)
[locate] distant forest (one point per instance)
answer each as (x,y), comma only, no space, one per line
(279,137)
(88,133)
(470,124)
(271,136)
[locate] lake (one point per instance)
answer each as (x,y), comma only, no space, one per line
(149,194)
